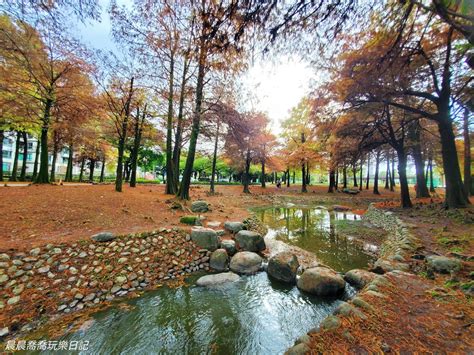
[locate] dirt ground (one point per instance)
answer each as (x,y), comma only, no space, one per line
(36,215)
(422,315)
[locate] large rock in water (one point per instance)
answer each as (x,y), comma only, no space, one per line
(246,262)
(443,264)
(217,279)
(200,206)
(103,237)
(234,227)
(219,260)
(229,246)
(321,281)
(206,238)
(359,277)
(249,241)
(283,267)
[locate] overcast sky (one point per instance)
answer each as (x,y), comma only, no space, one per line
(272,86)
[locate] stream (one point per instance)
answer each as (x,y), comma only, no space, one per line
(255,315)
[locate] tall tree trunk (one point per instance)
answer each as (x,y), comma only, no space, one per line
(303,168)
(376,175)
(25,156)
(35,165)
(179,125)
(14,174)
(136,145)
(430,164)
(246,175)
(344,176)
(402,173)
(387,174)
(288,177)
(308,175)
(102,169)
(354,174)
(336,183)
(81,173)
(332,181)
(263,174)
(294,177)
(183,192)
(43,175)
(122,139)
(170,180)
(91,170)
(468,186)
(68,177)
(455,194)
(368,172)
(392,174)
(214,157)
(2,137)
(53,162)
(421,187)
(361,174)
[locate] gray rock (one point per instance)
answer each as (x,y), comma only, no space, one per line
(443,264)
(359,277)
(347,309)
(234,227)
(120,280)
(89,297)
(246,262)
(4,332)
(249,241)
(283,267)
(4,257)
(205,238)
(298,349)
(219,260)
(3,278)
(199,206)
(13,300)
(331,322)
(43,270)
(103,237)
(217,279)
(229,246)
(321,281)
(115,289)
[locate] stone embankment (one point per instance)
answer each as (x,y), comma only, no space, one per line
(58,279)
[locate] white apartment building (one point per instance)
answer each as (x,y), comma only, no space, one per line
(8,153)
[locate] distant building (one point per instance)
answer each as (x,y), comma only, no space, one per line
(8,153)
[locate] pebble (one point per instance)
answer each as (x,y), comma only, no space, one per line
(73,270)
(4,332)
(13,300)
(43,270)
(18,289)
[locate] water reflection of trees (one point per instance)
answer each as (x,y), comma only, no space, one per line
(315,230)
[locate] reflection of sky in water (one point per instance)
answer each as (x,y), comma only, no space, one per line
(315,230)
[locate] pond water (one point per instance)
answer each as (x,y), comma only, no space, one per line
(316,230)
(253,316)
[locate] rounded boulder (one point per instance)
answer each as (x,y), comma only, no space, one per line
(321,281)
(206,238)
(249,241)
(219,260)
(283,267)
(246,262)
(359,277)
